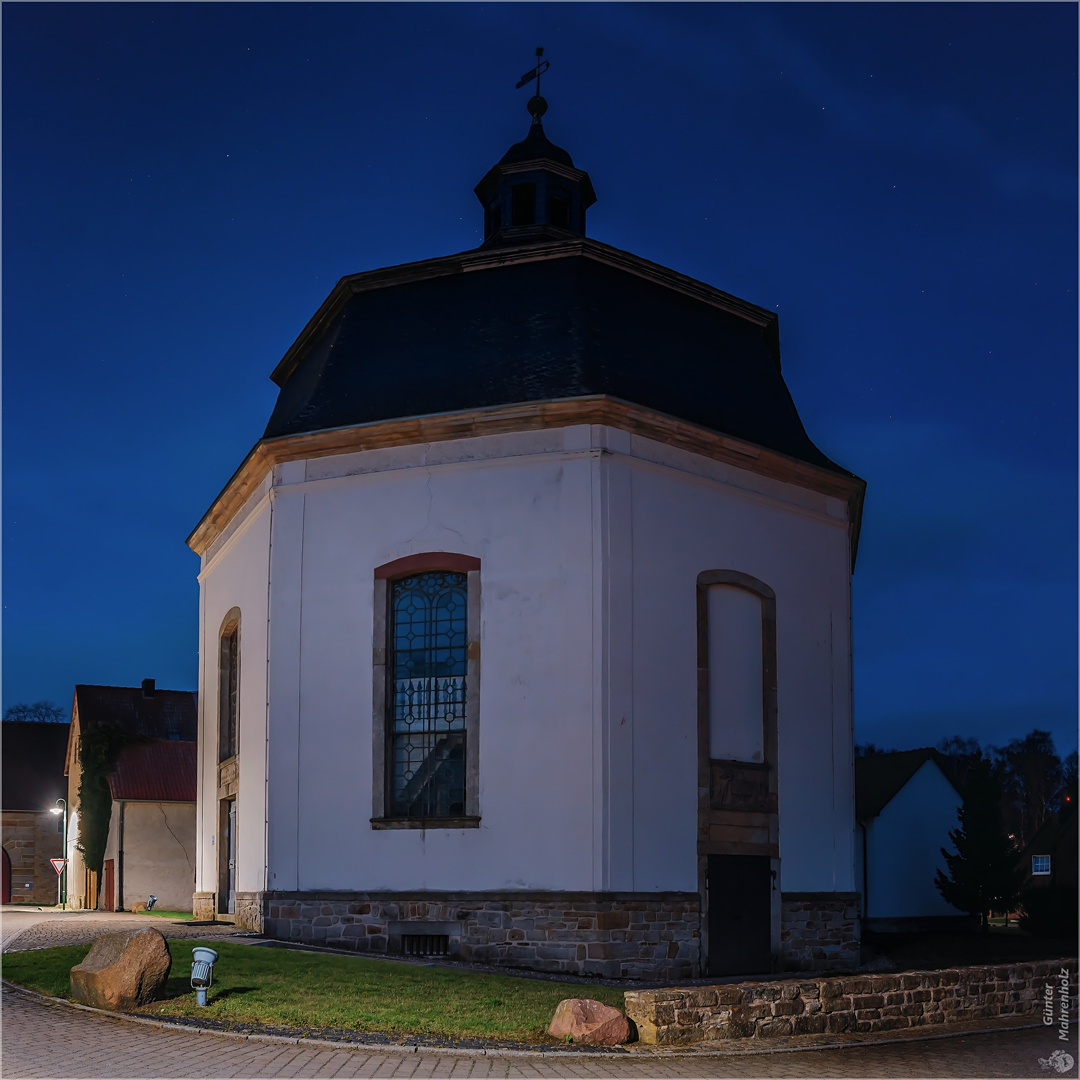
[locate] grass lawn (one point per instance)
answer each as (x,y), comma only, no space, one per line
(167,914)
(282,987)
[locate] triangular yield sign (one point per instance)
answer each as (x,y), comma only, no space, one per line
(58,865)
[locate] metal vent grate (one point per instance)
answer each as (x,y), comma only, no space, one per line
(425,944)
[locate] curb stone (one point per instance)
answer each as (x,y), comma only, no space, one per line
(850,1043)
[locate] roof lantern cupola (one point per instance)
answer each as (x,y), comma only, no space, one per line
(534,194)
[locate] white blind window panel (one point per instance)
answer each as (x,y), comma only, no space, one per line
(736,722)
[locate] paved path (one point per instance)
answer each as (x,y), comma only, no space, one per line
(41,1039)
(24,928)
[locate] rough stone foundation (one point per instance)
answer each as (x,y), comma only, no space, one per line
(612,935)
(202,906)
(679,1016)
(819,931)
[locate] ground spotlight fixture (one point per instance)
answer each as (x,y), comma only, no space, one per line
(151,902)
(202,971)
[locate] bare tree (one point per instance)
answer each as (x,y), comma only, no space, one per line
(43,712)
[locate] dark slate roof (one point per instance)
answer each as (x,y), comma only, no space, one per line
(168,714)
(879,777)
(33,758)
(562,326)
(535,146)
(156,772)
(1050,834)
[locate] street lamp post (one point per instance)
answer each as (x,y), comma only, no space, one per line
(62,877)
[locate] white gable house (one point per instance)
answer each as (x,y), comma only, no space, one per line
(906,804)
(525,627)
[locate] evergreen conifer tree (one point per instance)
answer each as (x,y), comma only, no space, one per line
(983,874)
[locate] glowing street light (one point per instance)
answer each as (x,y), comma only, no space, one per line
(61,883)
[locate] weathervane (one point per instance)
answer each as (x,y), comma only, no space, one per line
(537,106)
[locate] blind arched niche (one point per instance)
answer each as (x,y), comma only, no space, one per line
(736,624)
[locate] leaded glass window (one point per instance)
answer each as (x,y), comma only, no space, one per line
(428,662)
(229,699)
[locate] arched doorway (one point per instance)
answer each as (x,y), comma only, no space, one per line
(5,886)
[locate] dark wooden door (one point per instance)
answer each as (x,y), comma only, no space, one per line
(110,885)
(5,881)
(740,923)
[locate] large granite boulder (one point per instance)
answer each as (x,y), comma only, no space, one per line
(122,970)
(591,1023)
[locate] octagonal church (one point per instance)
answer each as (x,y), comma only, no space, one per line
(526,625)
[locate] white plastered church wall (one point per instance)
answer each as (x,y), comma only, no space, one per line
(590,541)
(234,575)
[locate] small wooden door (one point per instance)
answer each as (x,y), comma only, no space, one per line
(6,879)
(110,885)
(90,887)
(740,920)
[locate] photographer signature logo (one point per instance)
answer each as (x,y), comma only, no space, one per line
(1058,1060)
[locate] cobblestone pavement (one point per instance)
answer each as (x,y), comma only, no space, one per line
(22,928)
(41,1039)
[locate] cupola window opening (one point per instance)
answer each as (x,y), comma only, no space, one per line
(524,204)
(492,219)
(559,208)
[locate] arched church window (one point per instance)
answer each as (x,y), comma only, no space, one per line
(427,711)
(426,692)
(229,688)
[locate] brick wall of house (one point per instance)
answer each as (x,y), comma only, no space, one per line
(31,840)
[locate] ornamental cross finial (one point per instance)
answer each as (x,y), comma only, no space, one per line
(537,106)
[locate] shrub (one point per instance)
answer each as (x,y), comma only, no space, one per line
(1049,912)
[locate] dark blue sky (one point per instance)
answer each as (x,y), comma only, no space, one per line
(183,184)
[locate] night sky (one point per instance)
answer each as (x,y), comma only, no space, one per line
(184,184)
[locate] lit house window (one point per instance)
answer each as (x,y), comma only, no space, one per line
(426,692)
(1040,864)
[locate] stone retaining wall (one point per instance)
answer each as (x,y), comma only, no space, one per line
(678,1016)
(612,935)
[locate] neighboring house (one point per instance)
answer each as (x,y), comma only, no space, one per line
(33,778)
(151,847)
(147,715)
(905,805)
(587,470)
(1049,860)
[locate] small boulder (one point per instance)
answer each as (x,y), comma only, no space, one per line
(591,1023)
(122,970)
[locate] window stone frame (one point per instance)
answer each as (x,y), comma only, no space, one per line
(383,576)
(768,810)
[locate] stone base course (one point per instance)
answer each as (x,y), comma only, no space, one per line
(855,1004)
(819,931)
(611,935)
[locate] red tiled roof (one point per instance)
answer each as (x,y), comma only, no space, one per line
(156,772)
